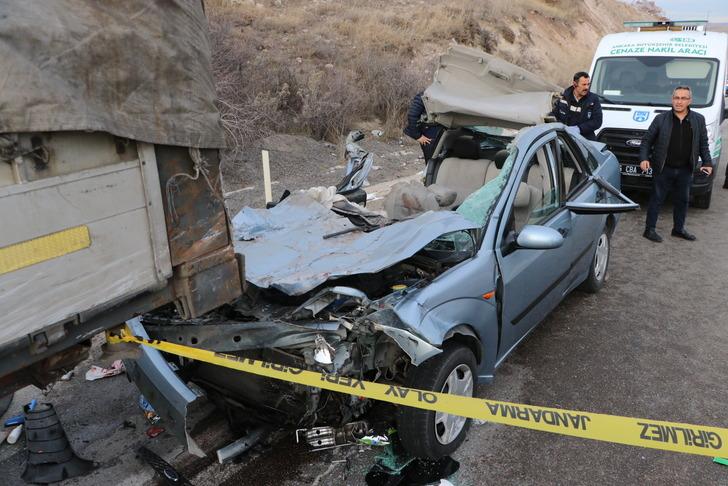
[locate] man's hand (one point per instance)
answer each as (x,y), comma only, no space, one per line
(423,140)
(645,165)
(706,169)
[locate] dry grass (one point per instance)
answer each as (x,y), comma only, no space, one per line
(320,67)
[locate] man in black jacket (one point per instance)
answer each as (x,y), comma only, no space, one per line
(580,108)
(671,148)
(427,135)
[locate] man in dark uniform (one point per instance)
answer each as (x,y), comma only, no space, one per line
(671,147)
(580,108)
(427,135)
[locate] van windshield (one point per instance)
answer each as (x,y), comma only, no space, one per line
(651,80)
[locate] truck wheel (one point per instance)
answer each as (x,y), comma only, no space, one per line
(703,201)
(426,433)
(599,265)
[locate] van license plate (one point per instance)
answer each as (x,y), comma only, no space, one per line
(634,170)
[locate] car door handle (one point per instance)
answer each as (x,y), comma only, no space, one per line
(563,231)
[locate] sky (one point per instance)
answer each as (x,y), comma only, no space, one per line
(695,10)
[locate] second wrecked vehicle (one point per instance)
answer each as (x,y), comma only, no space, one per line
(435,301)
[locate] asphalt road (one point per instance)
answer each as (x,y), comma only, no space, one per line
(652,344)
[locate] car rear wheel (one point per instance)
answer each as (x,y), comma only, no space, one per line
(599,265)
(426,433)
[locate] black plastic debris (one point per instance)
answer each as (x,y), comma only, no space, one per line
(417,472)
(165,470)
(50,456)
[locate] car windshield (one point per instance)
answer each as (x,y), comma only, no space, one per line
(651,80)
(479,205)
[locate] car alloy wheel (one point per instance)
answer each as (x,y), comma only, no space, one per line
(447,426)
(601,257)
(427,433)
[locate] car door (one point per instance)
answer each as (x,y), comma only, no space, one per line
(532,281)
(573,171)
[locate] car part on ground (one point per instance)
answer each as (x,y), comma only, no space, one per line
(166,472)
(323,438)
(234,449)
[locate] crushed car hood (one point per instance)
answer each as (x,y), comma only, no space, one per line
(472,88)
(285,249)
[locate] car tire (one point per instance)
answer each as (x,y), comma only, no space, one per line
(430,434)
(703,201)
(599,265)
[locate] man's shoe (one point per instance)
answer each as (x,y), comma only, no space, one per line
(652,235)
(684,235)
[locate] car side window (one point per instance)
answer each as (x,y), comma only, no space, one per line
(538,193)
(570,167)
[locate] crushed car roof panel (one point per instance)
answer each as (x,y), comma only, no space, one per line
(475,88)
(286,249)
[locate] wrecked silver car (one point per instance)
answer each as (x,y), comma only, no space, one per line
(435,301)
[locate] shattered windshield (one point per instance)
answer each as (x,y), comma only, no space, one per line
(478,206)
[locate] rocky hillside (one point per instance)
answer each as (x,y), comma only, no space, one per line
(319,67)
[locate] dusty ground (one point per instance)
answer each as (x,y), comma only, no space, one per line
(298,162)
(652,344)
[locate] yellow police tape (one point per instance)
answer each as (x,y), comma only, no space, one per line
(654,434)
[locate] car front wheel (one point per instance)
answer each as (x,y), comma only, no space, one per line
(600,264)
(426,433)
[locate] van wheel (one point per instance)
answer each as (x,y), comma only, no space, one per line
(426,433)
(703,201)
(599,265)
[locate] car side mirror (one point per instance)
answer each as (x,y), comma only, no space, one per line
(533,237)
(625,204)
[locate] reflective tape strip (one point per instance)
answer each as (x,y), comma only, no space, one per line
(653,434)
(43,248)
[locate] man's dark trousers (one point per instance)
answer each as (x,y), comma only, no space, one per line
(677,181)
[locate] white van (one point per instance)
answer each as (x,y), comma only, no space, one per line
(635,73)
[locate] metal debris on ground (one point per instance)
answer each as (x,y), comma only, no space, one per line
(67,376)
(165,470)
(234,449)
(322,438)
(97,372)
